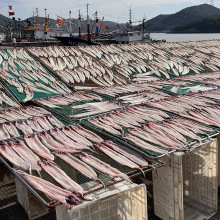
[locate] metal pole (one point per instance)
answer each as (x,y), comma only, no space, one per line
(70,21)
(97,24)
(88,25)
(79,24)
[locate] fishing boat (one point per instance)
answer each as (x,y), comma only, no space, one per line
(129,35)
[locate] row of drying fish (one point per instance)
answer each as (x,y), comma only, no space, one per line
(31,125)
(88,109)
(143,60)
(117,90)
(28,76)
(209,115)
(181,103)
(114,122)
(125,63)
(79,110)
(72,139)
(19,154)
(205,54)
(15,54)
(169,134)
(202,77)
(68,99)
(15,114)
(25,153)
(142,97)
(6,100)
(72,193)
(192,88)
(78,69)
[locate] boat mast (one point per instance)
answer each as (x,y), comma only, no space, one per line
(37,19)
(70,20)
(79,18)
(97,23)
(88,25)
(130,17)
(46,20)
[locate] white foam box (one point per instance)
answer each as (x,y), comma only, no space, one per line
(121,201)
(33,207)
(186,188)
(218,138)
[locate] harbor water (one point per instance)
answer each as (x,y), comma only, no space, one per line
(184,37)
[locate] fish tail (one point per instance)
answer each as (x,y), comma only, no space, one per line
(81,196)
(100,181)
(30,170)
(142,171)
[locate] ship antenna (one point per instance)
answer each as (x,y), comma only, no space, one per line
(130,16)
(37,19)
(88,25)
(97,23)
(79,24)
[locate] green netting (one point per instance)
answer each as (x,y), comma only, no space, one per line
(125,130)
(37,95)
(5,105)
(80,178)
(150,153)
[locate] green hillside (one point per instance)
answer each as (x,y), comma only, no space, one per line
(205,25)
(183,17)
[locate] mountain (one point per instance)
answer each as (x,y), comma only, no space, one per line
(205,25)
(185,16)
(3,22)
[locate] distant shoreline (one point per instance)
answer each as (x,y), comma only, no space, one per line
(173,32)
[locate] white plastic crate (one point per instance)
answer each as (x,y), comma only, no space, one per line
(33,207)
(121,201)
(187,187)
(218,138)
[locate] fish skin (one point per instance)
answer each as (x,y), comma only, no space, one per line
(52,144)
(4,132)
(11,129)
(149,138)
(77,164)
(21,125)
(117,157)
(42,121)
(75,136)
(86,133)
(144,144)
(61,177)
(49,189)
(1,59)
(29,94)
(103,167)
(11,155)
(17,85)
(34,125)
(26,154)
(62,138)
(135,157)
(103,126)
(7,100)
(35,144)
(54,121)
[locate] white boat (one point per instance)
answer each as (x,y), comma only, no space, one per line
(131,37)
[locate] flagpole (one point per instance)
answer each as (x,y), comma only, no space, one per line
(79,25)
(70,21)
(88,25)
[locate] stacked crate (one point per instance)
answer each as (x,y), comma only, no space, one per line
(187,187)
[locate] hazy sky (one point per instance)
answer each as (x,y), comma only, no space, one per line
(115,10)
